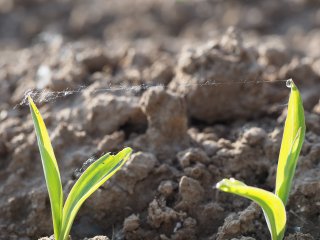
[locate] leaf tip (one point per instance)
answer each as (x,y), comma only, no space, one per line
(290,84)
(226,184)
(128,149)
(127,152)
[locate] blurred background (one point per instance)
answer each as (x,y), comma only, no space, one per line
(24,22)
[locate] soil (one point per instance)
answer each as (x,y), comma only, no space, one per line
(216,110)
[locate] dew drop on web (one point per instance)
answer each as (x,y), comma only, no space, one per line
(289,83)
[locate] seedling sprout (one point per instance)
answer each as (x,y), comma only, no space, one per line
(91,179)
(273,205)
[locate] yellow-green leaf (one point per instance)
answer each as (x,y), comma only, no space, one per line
(272,206)
(93,177)
(292,140)
(50,168)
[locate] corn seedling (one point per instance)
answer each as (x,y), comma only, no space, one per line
(273,205)
(91,179)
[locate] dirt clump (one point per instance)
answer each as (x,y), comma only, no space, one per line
(167,122)
(222,63)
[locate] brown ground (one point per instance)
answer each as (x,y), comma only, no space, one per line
(187,134)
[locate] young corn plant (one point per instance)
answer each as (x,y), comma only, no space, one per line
(91,179)
(273,204)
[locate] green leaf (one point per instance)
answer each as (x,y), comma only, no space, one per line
(50,168)
(292,140)
(94,176)
(272,206)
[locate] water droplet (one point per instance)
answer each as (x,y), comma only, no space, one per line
(289,83)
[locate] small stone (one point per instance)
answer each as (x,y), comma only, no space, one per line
(166,188)
(189,222)
(97,238)
(254,135)
(192,155)
(299,236)
(159,213)
(137,168)
(244,238)
(131,223)
(190,190)
(211,147)
(47,238)
(111,142)
(233,227)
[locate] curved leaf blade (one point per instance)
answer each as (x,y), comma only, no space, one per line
(292,140)
(272,206)
(92,178)
(50,168)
